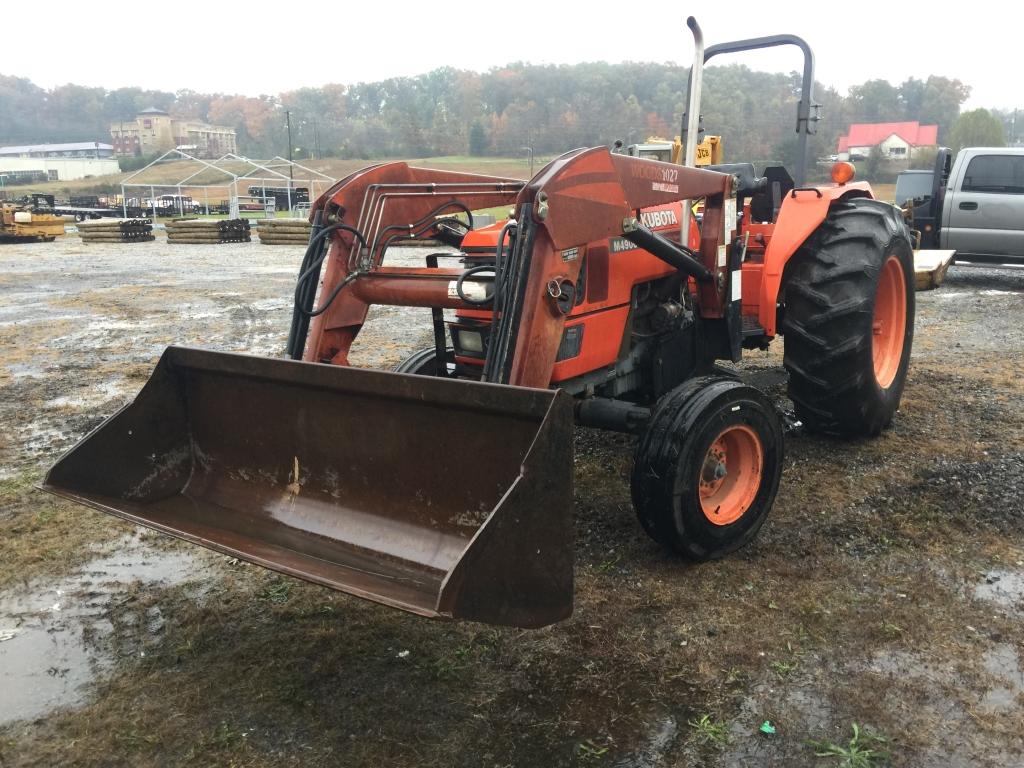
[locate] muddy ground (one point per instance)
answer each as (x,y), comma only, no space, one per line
(886,589)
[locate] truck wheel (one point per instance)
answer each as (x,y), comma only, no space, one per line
(707,469)
(849,319)
(424,362)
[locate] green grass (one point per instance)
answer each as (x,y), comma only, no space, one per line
(43,534)
(278,590)
(859,752)
(707,731)
(589,751)
(499,212)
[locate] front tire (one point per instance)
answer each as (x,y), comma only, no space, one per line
(708,467)
(424,362)
(849,319)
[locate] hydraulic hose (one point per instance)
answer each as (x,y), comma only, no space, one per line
(417,228)
(306,285)
(469,273)
(501,298)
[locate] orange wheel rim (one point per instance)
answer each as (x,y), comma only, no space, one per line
(731,475)
(889,326)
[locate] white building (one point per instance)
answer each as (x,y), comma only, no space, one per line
(91,149)
(56,162)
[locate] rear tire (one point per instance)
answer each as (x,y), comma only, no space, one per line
(424,362)
(707,469)
(849,319)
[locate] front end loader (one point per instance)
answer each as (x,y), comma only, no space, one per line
(444,488)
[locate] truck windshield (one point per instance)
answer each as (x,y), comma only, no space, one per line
(911,184)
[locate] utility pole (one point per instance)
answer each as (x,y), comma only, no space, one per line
(1013,129)
(316,153)
(529,150)
(288,122)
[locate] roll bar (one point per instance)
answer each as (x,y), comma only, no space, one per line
(806,110)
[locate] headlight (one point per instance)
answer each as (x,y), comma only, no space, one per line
(471,341)
(572,342)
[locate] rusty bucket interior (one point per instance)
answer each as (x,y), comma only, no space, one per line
(440,497)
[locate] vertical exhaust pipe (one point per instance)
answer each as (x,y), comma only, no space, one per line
(691,120)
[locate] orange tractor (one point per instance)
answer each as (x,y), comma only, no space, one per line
(445,488)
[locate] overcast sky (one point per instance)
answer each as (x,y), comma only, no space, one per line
(201,46)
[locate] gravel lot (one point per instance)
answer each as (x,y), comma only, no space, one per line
(886,590)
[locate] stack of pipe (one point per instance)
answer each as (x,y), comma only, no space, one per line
(116,231)
(208,231)
(284,231)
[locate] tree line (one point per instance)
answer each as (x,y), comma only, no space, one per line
(504,111)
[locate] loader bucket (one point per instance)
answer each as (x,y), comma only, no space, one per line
(440,497)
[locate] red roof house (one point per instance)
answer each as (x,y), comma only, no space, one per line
(897,140)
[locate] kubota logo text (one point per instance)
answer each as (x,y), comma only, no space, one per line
(655,219)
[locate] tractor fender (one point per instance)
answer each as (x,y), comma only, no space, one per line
(802,212)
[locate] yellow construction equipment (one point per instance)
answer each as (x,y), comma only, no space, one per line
(709,151)
(23,224)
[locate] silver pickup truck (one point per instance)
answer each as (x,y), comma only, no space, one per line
(976,205)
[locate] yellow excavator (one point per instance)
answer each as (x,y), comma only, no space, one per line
(709,151)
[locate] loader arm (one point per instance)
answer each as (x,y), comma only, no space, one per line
(380,202)
(584,196)
(588,196)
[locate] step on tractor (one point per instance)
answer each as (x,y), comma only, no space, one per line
(609,299)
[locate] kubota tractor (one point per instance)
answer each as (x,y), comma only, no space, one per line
(445,488)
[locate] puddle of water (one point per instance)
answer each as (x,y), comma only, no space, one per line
(802,707)
(1003,663)
(25,371)
(47,659)
(290,271)
(1005,588)
(270,305)
(95,394)
(660,737)
(22,316)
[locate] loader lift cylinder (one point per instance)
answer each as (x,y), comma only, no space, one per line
(675,255)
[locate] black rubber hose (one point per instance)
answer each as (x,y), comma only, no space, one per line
(306,285)
(315,268)
(498,296)
(469,273)
(506,304)
(424,224)
(299,325)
